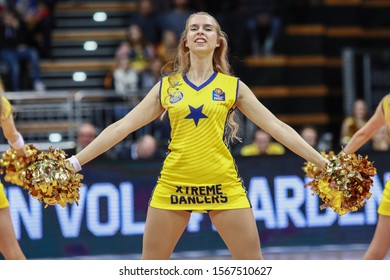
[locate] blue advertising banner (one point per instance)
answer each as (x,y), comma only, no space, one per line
(110,215)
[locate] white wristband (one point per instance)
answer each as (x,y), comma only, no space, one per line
(18,144)
(75,163)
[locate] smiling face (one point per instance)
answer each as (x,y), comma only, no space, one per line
(202,34)
(202,38)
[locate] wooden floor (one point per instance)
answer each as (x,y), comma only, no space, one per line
(354,252)
(349,252)
(318,254)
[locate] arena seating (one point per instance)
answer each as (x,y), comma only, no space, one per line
(302,83)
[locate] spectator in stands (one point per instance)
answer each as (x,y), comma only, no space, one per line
(125,77)
(310,134)
(160,128)
(167,50)
(152,74)
(262,144)
(14,50)
(380,140)
(126,83)
(235,17)
(136,48)
(149,20)
(162,6)
(353,123)
(175,18)
(263,25)
(39,23)
(85,135)
(145,147)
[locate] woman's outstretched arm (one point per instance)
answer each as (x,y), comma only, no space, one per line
(366,132)
(252,108)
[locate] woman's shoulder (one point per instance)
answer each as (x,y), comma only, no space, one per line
(228,76)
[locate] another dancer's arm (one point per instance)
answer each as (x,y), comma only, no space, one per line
(367,131)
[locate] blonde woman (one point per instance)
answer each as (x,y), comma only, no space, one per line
(380,243)
(9,245)
(199,173)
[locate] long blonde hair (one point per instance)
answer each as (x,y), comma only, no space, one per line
(221,64)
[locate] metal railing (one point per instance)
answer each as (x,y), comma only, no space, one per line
(52,118)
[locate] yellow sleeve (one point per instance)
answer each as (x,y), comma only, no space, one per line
(5,108)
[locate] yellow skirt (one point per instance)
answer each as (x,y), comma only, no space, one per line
(199,198)
(384,206)
(3,198)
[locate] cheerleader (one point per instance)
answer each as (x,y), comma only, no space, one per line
(380,243)
(199,172)
(9,246)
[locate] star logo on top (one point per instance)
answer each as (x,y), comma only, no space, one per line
(196,114)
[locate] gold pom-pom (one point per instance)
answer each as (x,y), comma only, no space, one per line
(51,178)
(13,166)
(344,185)
(47,176)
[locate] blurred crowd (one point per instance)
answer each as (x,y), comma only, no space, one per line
(25,36)
(148,51)
(153,33)
(154,30)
